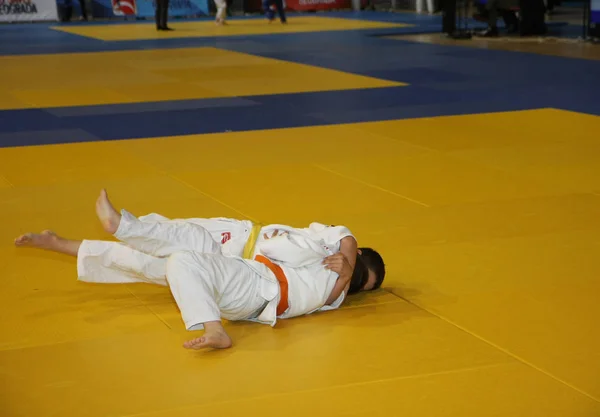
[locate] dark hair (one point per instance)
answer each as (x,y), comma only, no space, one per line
(360,275)
(373,261)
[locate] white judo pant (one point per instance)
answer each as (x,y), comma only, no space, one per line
(430,6)
(205,284)
(221,9)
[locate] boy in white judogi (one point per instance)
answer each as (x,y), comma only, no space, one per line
(220,268)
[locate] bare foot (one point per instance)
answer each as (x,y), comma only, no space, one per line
(109,217)
(213,339)
(45,240)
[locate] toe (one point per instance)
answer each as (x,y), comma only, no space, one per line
(21,240)
(197,343)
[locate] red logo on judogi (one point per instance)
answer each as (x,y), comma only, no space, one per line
(225,236)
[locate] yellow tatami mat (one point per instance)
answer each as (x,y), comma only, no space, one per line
(140,31)
(489,307)
(158,75)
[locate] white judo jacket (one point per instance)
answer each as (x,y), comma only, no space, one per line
(300,253)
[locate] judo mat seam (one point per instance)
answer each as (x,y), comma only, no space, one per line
(500,348)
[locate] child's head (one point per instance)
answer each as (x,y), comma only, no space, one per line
(369,271)
(376,268)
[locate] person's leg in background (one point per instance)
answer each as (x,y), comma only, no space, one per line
(281,10)
(165,15)
(449,17)
(491,12)
(268,8)
(65,9)
(162,14)
(83,10)
(158,14)
(221,12)
(497,8)
(430,6)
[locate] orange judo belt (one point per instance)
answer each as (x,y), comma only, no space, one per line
(276,269)
(283,283)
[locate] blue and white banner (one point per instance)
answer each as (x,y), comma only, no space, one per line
(595,14)
(147,8)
